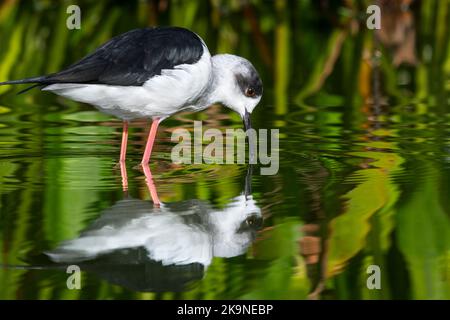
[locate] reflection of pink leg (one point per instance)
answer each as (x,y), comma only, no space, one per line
(123,147)
(151,185)
(123,173)
(150,141)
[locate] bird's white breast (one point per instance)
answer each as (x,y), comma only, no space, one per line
(160,96)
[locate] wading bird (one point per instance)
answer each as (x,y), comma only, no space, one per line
(153,73)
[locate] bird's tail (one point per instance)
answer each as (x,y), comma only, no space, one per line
(24,81)
(36,81)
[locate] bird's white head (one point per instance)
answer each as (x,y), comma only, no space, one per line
(237,85)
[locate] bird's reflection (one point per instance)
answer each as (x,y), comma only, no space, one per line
(161,246)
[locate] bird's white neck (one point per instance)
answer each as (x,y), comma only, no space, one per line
(221,83)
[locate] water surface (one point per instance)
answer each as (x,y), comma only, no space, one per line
(363,179)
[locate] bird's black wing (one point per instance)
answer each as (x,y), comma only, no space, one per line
(130,59)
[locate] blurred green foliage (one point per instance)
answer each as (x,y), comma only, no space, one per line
(364,146)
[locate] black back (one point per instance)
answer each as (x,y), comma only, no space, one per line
(132,58)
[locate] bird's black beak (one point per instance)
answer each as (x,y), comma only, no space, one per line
(247,121)
(251,147)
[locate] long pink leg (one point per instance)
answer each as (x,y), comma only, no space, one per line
(123,154)
(151,185)
(150,141)
(123,173)
(123,147)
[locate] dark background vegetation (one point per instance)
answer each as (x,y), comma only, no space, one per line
(364,146)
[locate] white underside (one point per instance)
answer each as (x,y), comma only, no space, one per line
(160,96)
(167,237)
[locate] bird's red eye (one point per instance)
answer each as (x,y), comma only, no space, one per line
(250,92)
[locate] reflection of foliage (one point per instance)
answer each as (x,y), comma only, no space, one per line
(316,63)
(424,239)
(350,230)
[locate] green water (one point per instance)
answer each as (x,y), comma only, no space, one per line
(364,176)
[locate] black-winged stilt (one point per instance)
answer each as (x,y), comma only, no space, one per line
(154,73)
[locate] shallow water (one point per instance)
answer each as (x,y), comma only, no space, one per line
(363,180)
